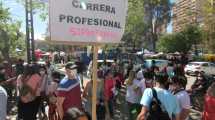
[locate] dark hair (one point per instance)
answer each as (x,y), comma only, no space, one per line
(148,75)
(161,78)
(107,72)
(179,71)
(48,64)
(1,67)
(153,62)
(29,70)
(43,67)
(73,114)
(181,80)
(56,75)
(170,64)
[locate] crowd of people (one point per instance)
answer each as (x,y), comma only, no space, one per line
(151,93)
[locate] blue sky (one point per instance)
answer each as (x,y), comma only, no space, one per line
(18,13)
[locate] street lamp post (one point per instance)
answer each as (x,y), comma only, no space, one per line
(29,31)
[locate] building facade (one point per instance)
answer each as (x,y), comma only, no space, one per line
(186,12)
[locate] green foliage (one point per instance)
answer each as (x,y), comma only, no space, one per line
(135,24)
(208,12)
(158,14)
(180,42)
(10,36)
(38,7)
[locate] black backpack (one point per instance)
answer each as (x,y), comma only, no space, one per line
(155,111)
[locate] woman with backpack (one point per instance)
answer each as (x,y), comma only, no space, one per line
(28,85)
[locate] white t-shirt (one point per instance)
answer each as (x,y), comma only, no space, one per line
(133,96)
(3,103)
(183,99)
(142,85)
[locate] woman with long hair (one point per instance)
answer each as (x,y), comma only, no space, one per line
(28,85)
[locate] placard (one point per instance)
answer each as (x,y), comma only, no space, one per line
(87,21)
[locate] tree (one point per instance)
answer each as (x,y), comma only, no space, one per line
(158,13)
(10,36)
(182,41)
(135,24)
(38,7)
(208,13)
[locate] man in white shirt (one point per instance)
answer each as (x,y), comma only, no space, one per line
(3,103)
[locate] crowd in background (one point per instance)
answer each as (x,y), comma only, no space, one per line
(151,93)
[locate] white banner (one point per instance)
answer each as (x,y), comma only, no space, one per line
(87,21)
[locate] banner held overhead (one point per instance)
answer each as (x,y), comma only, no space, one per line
(87,21)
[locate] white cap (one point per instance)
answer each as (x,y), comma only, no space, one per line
(140,75)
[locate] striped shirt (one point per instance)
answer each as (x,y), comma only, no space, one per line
(70,90)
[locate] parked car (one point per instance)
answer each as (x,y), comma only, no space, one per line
(195,67)
(159,63)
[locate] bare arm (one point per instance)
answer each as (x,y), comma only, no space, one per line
(85,94)
(177,117)
(143,113)
(60,111)
(8,81)
(184,114)
(107,109)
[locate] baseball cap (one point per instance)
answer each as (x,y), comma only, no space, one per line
(71,66)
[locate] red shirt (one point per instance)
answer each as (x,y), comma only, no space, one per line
(70,90)
(209,108)
(108,92)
